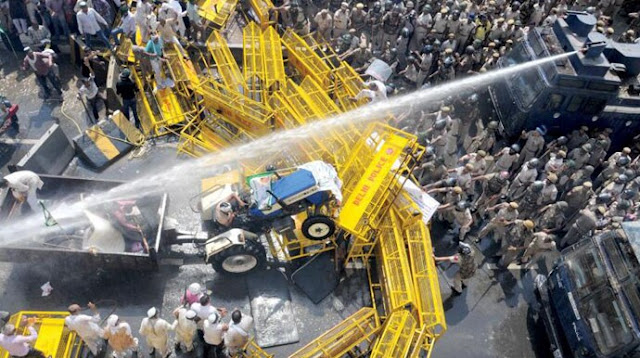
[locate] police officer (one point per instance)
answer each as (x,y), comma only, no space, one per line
(586,221)
(527,175)
(507,214)
(463,218)
(374,25)
(578,177)
(341,20)
(494,186)
(324,23)
(452,197)
(466,260)
(465,65)
(607,173)
(616,187)
(424,67)
(506,158)
(578,137)
(485,139)
(577,198)
(529,201)
(450,42)
(518,239)
(549,192)
(581,155)
(467,26)
(541,241)
(534,144)
(391,26)
(440,23)
(358,17)
(551,218)
(422,27)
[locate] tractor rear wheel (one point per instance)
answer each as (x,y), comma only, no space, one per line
(318,227)
(240,259)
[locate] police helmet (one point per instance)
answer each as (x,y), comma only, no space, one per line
(492,125)
(604,198)
(436,44)
(630,173)
(622,178)
(624,204)
(405,32)
(426,8)
(461,205)
(464,249)
(515,148)
(440,124)
(628,194)
(533,163)
(448,61)
(450,182)
(537,186)
(427,49)
(469,50)
(622,161)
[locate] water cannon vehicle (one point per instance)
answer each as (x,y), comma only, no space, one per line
(590,301)
(597,86)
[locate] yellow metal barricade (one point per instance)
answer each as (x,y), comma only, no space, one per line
(54,339)
(252,350)
(149,111)
(217,12)
(225,62)
(304,59)
(347,84)
(254,71)
(261,8)
(374,165)
(358,329)
(398,285)
(425,277)
(272,56)
(396,337)
(238,110)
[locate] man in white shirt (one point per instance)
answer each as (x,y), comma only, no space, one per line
(214,331)
(185,327)
(89,22)
(86,327)
(156,331)
(127,26)
(376,91)
(204,309)
(20,346)
(91,94)
(23,185)
(37,33)
(238,334)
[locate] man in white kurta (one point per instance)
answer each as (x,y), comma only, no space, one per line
(86,327)
(156,331)
(23,185)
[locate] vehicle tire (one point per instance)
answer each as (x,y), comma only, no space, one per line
(238,259)
(318,227)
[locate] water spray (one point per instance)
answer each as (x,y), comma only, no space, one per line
(270,145)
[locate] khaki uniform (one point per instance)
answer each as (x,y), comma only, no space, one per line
(541,242)
(340,22)
(585,222)
(324,22)
(533,146)
(498,225)
(467,270)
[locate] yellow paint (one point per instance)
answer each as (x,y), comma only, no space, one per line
(103,143)
(49,336)
(371,180)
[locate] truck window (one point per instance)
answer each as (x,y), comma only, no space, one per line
(554,102)
(524,85)
(570,82)
(601,86)
(575,103)
(587,270)
(632,293)
(603,314)
(593,105)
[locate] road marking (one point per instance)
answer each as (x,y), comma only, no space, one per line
(18,141)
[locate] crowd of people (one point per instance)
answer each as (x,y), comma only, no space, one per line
(536,194)
(197,325)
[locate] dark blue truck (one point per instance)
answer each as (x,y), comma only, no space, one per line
(591,299)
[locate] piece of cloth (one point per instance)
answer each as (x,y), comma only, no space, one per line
(18,345)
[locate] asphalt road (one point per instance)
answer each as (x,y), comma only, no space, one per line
(492,318)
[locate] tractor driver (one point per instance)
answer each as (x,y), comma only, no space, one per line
(225,214)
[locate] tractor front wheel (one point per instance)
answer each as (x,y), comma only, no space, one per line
(240,259)
(318,227)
